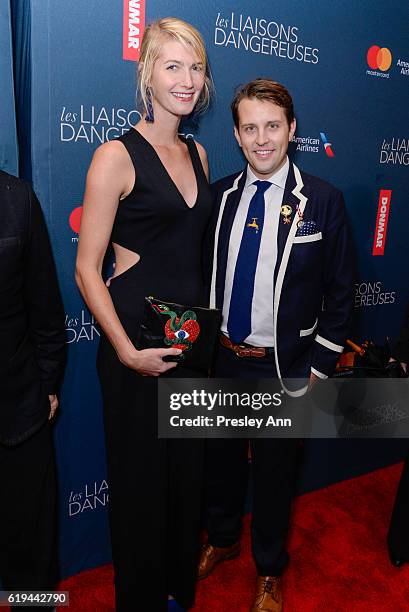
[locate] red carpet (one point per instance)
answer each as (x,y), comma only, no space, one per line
(338,562)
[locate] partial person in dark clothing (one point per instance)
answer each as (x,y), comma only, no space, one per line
(398,535)
(32,356)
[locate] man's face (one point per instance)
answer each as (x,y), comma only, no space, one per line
(263,135)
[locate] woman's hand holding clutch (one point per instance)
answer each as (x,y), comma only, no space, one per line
(149,362)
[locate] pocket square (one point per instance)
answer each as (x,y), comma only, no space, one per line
(306,228)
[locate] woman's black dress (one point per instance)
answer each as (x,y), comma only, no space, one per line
(155,485)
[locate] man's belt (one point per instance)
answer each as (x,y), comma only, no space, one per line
(244,350)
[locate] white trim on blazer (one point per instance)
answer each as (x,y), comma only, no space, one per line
(308,332)
(310,238)
(281,273)
(328,344)
(216,240)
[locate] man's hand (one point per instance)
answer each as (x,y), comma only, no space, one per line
(53,405)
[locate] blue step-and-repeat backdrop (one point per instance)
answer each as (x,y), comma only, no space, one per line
(8,128)
(347,67)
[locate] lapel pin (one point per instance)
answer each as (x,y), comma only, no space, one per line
(286,212)
(300,214)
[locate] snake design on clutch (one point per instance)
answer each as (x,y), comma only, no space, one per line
(181,332)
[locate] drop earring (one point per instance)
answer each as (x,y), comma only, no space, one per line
(149,118)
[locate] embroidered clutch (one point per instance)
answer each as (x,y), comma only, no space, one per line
(193,330)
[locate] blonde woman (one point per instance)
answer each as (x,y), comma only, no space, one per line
(147,193)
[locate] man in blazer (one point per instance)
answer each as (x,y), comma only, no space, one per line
(281,272)
(32,355)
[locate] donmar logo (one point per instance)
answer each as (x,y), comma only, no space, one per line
(382,221)
(327,145)
(75,221)
(134,24)
(379,58)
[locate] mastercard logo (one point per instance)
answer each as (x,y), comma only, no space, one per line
(379,58)
(75,219)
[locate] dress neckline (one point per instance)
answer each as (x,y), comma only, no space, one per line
(170,179)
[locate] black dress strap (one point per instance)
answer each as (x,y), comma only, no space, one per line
(132,144)
(195,157)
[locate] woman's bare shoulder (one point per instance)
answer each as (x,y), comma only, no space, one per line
(111,169)
(111,153)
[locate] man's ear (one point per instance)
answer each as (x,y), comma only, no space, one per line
(237,135)
(293,127)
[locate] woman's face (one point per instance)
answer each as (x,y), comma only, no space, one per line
(177,79)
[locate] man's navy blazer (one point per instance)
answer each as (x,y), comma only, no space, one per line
(314,273)
(32,334)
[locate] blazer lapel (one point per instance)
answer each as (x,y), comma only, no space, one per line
(289,199)
(227,212)
(297,200)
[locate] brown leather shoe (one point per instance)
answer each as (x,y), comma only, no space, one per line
(269,597)
(212,555)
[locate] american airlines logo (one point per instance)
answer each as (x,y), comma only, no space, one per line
(382,221)
(134,24)
(327,145)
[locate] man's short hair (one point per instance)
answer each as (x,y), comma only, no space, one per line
(264,90)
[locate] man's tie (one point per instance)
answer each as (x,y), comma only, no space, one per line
(239,321)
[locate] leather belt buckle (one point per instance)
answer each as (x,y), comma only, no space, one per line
(242,351)
(258,351)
